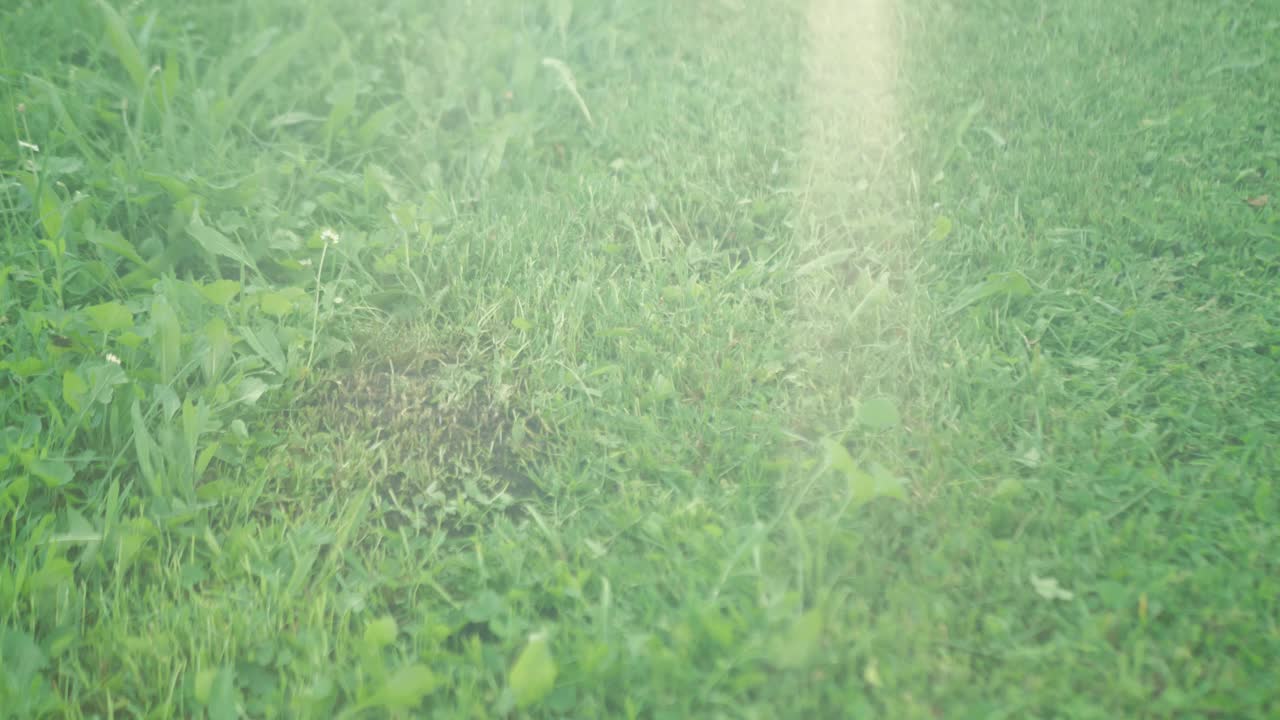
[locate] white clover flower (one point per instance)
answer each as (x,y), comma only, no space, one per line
(111,358)
(329,235)
(338,300)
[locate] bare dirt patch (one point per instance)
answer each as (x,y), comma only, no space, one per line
(433,437)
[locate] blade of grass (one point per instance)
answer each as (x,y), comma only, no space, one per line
(268,66)
(69,125)
(122,45)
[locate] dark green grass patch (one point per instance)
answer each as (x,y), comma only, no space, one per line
(1111,416)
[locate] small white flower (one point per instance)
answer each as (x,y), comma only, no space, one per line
(28,146)
(305,262)
(329,235)
(111,358)
(338,300)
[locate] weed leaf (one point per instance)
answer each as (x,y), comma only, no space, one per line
(1004,284)
(51,217)
(380,633)
(797,647)
(1049,589)
(22,660)
(406,688)
(74,389)
(863,486)
(376,124)
(114,242)
(215,243)
(220,292)
(267,346)
(53,473)
(941,229)
(144,447)
(223,696)
(275,304)
(109,317)
(250,389)
(879,413)
(534,672)
(167,338)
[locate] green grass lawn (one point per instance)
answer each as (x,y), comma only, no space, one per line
(659,359)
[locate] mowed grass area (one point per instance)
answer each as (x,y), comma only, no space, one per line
(485,359)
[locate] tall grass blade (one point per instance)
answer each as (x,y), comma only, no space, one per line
(122,45)
(270,64)
(566,78)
